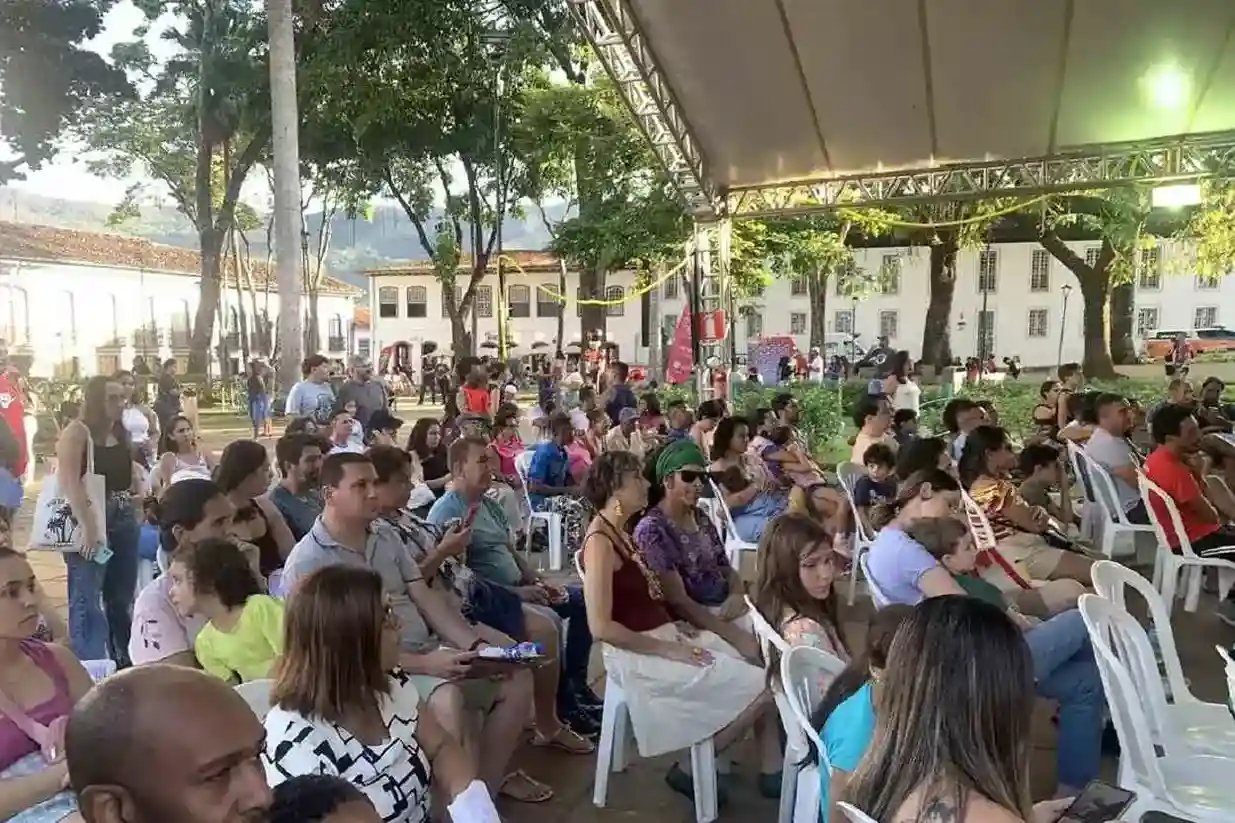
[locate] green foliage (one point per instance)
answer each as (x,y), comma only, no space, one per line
(1212,228)
(48,82)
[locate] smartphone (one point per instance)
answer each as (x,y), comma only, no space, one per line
(471,515)
(1098,803)
(102,555)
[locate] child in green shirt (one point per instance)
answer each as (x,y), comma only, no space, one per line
(244,634)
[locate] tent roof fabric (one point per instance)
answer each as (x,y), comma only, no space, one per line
(782,91)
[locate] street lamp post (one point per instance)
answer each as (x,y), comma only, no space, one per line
(497,41)
(1063,324)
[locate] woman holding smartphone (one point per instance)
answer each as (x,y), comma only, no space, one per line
(104,570)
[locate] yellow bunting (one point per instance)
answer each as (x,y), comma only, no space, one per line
(634,295)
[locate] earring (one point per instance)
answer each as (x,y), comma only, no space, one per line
(617,508)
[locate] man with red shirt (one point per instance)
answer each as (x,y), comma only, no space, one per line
(1174,466)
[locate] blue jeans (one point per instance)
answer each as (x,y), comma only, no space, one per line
(750,520)
(578,637)
(101,596)
(1065,671)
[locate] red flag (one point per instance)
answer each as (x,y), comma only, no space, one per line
(681,366)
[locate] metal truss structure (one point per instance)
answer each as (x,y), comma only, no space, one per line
(1161,161)
(614,33)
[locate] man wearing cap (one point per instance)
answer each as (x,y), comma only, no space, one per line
(383,428)
(369,395)
(625,436)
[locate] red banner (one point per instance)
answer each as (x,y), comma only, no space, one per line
(681,365)
(712,327)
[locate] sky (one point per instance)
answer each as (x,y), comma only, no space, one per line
(69,180)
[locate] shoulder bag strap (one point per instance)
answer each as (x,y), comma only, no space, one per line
(27,725)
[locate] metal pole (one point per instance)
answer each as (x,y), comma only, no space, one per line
(501,208)
(286,182)
(1063,324)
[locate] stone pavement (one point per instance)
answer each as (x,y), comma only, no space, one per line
(641,791)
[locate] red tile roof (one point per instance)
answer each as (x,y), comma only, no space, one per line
(527,259)
(23,241)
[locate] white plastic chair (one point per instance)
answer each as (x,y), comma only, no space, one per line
(1168,564)
(877,596)
(734,545)
(710,506)
(615,735)
(1114,521)
(99,669)
(257,694)
(796,745)
(552,520)
(1197,787)
(848,474)
(802,669)
(854,814)
(1183,724)
(1229,666)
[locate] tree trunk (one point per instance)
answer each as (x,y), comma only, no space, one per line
(1095,289)
(313,334)
(286,151)
(817,294)
(1123,323)
(460,336)
(937,333)
(207,302)
(241,312)
(591,317)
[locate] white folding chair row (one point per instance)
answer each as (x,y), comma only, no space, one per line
(848,474)
(615,735)
(552,520)
(1180,722)
(1168,565)
(734,545)
(802,671)
(797,747)
(1114,522)
(1197,787)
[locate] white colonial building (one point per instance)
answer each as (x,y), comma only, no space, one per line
(81,303)
(1022,309)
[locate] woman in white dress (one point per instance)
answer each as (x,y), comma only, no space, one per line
(180,455)
(139,421)
(335,710)
(682,686)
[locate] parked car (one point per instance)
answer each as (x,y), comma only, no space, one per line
(1212,339)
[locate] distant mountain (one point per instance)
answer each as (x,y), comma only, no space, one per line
(388,238)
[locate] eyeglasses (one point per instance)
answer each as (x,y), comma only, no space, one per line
(692,475)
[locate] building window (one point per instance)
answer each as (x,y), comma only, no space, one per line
(843,323)
(180,327)
(1091,255)
(797,287)
(890,274)
(1208,282)
(15,315)
(484,301)
(988,270)
(1037,323)
(417,301)
(1146,322)
(520,301)
(1205,317)
(546,304)
(1040,271)
(616,309)
(388,302)
(334,334)
(754,325)
(363,347)
(669,290)
(986,333)
(889,324)
(1151,268)
(797,322)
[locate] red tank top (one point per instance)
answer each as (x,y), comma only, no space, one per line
(475,401)
(633,606)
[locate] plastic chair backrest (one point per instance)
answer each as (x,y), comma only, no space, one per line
(979,525)
(1104,488)
(1080,469)
(578,558)
(802,670)
(1110,581)
(1150,490)
(1229,666)
(848,474)
(1137,753)
(523,464)
(764,631)
(711,507)
(257,694)
(854,814)
(730,527)
(880,599)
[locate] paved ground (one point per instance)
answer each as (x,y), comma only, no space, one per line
(641,791)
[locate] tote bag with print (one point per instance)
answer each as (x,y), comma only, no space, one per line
(55,527)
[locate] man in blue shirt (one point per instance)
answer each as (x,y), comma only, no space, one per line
(491,555)
(548,475)
(619,396)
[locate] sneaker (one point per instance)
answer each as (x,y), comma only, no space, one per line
(582,723)
(1226,611)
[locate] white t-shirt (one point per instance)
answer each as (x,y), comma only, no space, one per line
(1111,452)
(816,369)
(908,396)
(158,630)
(394,774)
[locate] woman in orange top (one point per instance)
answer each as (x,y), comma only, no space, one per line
(475,397)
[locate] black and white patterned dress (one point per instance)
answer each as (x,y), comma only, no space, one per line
(394,774)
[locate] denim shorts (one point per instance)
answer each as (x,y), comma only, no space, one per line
(496,607)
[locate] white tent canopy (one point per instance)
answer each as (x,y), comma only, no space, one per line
(774,96)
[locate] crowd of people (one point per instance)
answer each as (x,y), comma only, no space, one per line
(373,581)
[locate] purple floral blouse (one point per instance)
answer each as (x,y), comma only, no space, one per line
(699,558)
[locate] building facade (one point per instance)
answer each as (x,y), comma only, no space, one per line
(1022,299)
(82,303)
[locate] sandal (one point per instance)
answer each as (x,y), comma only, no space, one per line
(566,739)
(531,791)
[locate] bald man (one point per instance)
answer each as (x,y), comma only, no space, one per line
(166,744)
